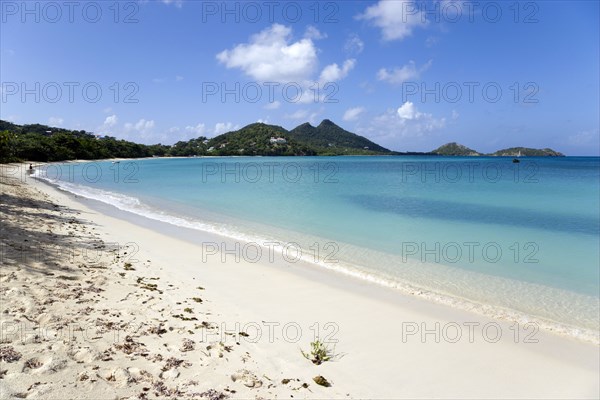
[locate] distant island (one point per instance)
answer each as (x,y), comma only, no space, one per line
(456,149)
(37,142)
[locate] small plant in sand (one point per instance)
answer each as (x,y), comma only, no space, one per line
(319,352)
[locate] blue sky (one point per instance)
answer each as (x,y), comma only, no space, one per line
(408,75)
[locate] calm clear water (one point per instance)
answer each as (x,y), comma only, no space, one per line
(523,237)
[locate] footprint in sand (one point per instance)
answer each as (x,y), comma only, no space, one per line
(246,378)
(119,377)
(44,365)
(84,354)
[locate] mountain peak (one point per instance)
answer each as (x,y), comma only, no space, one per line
(326,122)
(330,138)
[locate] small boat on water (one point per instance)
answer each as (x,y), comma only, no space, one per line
(516,160)
(116,162)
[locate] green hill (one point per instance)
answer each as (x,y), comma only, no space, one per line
(37,142)
(527,152)
(271,140)
(255,139)
(454,149)
(330,139)
(44,143)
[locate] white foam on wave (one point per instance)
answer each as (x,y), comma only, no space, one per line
(135,206)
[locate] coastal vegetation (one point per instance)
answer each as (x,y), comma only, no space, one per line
(329,139)
(37,142)
(43,143)
(527,152)
(319,352)
(456,149)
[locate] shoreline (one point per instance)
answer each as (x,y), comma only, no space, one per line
(346,270)
(372,328)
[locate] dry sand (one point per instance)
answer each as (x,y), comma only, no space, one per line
(96,307)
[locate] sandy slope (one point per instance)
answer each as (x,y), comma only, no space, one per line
(124,311)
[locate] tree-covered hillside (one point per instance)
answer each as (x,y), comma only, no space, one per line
(43,143)
(330,139)
(37,142)
(255,139)
(454,149)
(527,152)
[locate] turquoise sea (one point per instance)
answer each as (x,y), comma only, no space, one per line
(521,239)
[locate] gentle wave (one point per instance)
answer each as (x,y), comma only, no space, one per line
(135,206)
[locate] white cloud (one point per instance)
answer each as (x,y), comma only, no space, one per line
(142,126)
(313,33)
(178,78)
(198,130)
(333,72)
(271,56)
(408,111)
(404,122)
(55,121)
(397,19)
(299,114)
(352,114)
(585,138)
(273,106)
(403,74)
(304,116)
(455,114)
(431,41)
(177,3)
(354,45)
(111,121)
(367,86)
(223,127)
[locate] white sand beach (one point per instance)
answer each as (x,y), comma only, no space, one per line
(164,323)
